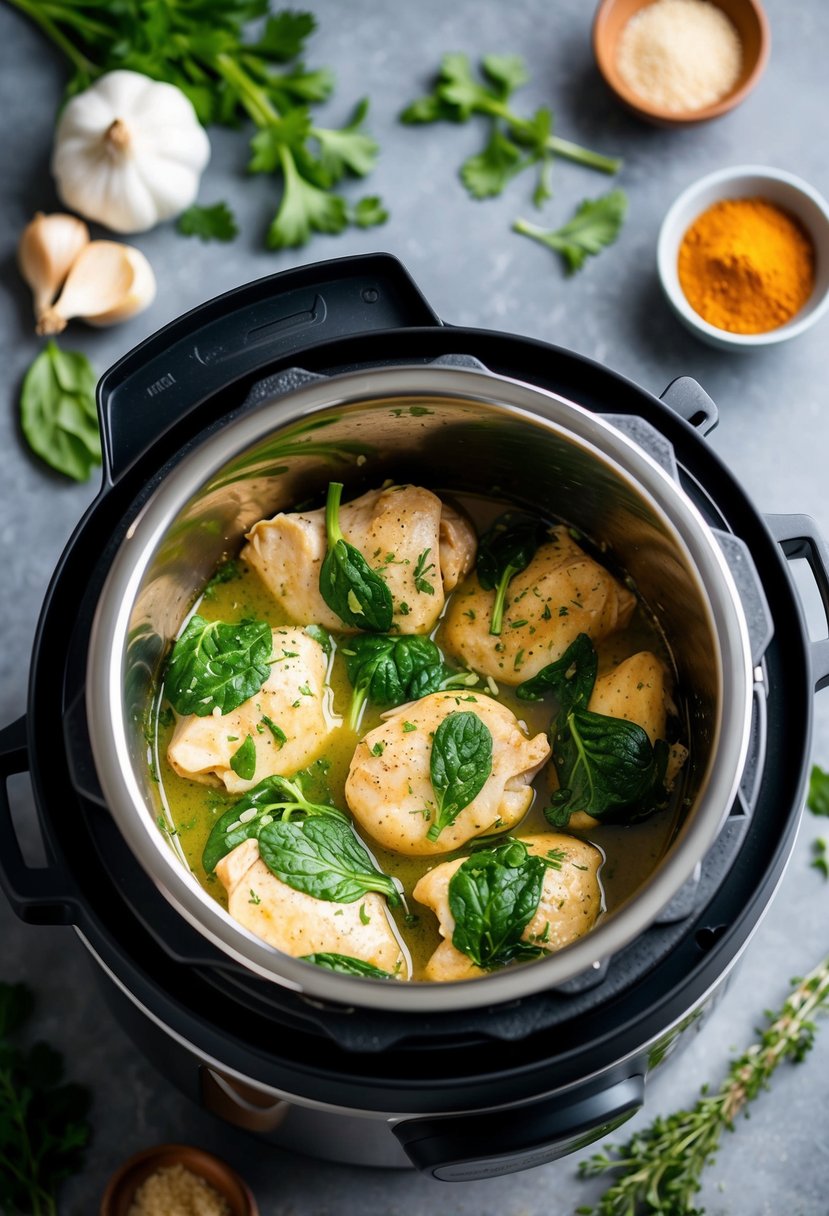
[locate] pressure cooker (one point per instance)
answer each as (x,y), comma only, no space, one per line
(242,408)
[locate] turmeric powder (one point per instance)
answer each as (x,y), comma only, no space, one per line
(746,265)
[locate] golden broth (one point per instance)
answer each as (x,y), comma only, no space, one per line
(191,808)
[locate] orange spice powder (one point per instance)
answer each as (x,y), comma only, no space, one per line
(746,265)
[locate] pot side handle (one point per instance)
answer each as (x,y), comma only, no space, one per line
(798,537)
(39,896)
(458,1148)
(238,335)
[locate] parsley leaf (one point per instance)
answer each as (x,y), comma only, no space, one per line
(369,212)
(595,225)
(817,800)
(216,223)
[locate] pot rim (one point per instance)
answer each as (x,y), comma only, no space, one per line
(502,395)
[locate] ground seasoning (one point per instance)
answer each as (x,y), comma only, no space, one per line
(174,1190)
(680,55)
(746,266)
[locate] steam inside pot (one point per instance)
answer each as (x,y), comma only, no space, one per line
(419,736)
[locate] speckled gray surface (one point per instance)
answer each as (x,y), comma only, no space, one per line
(773,433)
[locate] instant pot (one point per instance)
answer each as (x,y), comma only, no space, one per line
(248,405)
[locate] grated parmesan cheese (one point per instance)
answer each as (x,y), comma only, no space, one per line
(174,1190)
(680,55)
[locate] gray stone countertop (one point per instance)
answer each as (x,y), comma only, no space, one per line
(773,433)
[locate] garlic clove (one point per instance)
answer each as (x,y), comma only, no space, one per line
(139,295)
(48,247)
(100,279)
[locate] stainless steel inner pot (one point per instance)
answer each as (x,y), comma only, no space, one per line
(446,427)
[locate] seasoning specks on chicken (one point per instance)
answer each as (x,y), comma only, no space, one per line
(389,789)
(419,546)
(298,924)
(288,721)
(562,592)
(570,903)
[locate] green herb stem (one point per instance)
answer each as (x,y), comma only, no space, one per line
(565,148)
(659,1169)
(332,502)
(254,100)
(497,622)
(38,14)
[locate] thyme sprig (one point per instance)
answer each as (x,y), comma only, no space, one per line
(659,1170)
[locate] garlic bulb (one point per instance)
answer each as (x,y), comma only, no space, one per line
(129,152)
(48,247)
(108,282)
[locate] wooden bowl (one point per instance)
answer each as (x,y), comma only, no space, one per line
(126,1180)
(751,24)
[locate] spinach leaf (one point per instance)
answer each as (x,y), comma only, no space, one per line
(273,798)
(216,664)
(390,670)
(58,414)
(349,586)
(606,767)
(346,965)
(493,896)
(571,678)
(505,550)
(322,857)
(459,766)
(319,635)
(243,760)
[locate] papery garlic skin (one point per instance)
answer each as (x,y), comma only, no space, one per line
(108,282)
(129,152)
(47,248)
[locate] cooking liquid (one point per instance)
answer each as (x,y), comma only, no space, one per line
(190,808)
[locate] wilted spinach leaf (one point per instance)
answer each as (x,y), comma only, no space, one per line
(349,586)
(243,760)
(217,664)
(460,763)
(390,670)
(493,896)
(322,857)
(570,679)
(505,550)
(346,965)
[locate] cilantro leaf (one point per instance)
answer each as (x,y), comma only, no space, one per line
(347,150)
(285,35)
(817,800)
(305,208)
(369,212)
(487,173)
(507,72)
(215,223)
(595,225)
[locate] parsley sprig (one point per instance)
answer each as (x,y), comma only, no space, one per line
(659,1169)
(595,225)
(201,46)
(514,142)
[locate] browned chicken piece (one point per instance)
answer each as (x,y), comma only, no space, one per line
(638,690)
(389,790)
(563,592)
(295,699)
(298,924)
(570,903)
(418,545)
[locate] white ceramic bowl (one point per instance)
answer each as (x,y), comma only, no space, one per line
(746,181)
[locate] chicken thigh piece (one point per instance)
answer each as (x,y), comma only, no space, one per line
(389,789)
(570,903)
(419,546)
(298,924)
(638,690)
(563,592)
(294,702)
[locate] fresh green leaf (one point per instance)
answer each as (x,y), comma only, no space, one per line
(216,223)
(488,172)
(820,857)
(506,72)
(570,678)
(215,664)
(493,896)
(43,1121)
(243,760)
(283,135)
(504,550)
(389,669)
(347,150)
(595,225)
(320,635)
(817,800)
(346,965)
(460,763)
(58,414)
(369,212)
(305,208)
(321,856)
(428,109)
(273,798)
(285,35)
(350,588)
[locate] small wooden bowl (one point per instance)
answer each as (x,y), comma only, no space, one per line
(126,1180)
(751,24)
